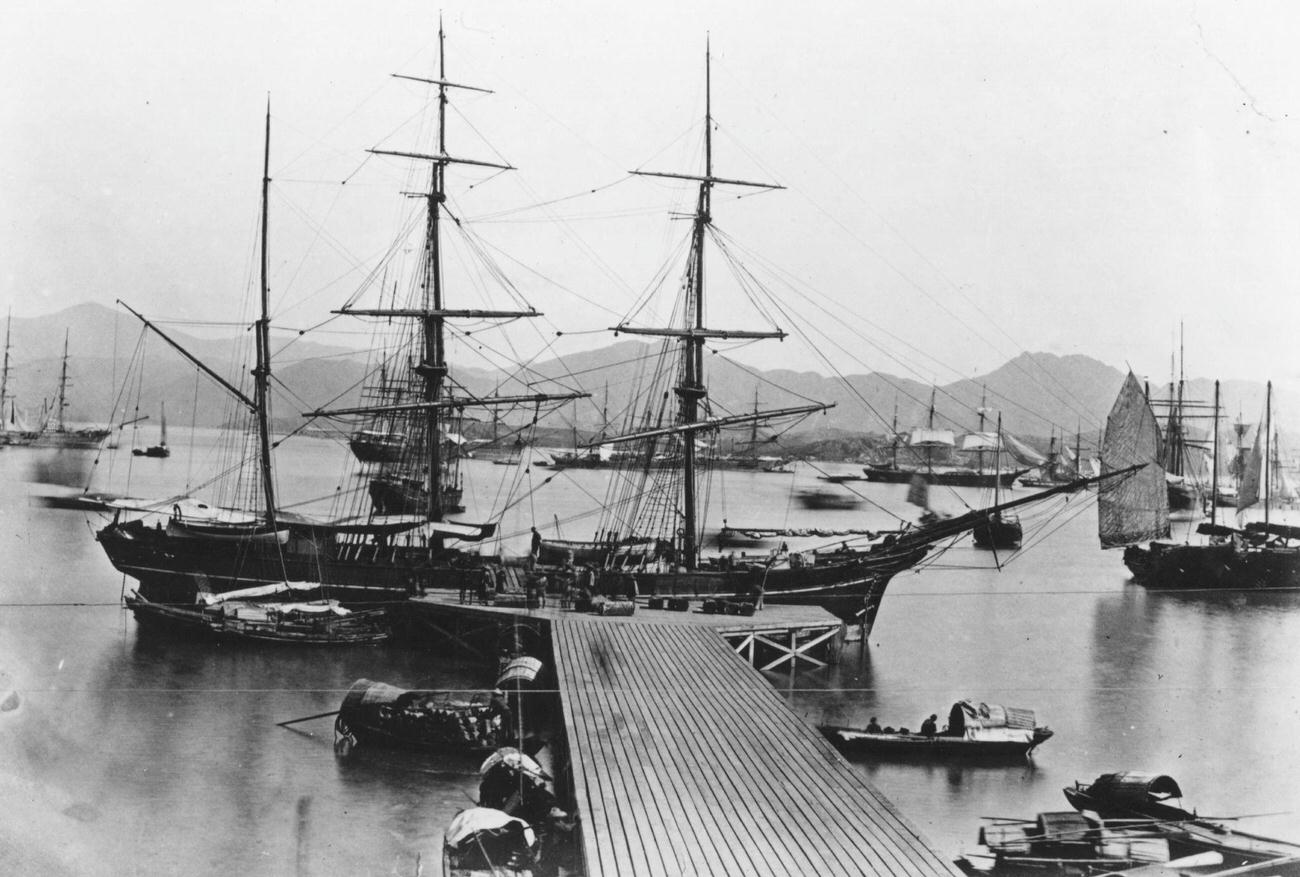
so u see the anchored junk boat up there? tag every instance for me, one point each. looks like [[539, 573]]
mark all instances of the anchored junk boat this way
[[1134, 513]]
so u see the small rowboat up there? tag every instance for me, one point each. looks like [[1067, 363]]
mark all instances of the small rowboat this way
[[974, 731]]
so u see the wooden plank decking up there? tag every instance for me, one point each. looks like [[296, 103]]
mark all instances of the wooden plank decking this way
[[687, 761]]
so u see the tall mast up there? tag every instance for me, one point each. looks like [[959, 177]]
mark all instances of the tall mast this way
[[434, 367], [262, 373], [62, 401], [893, 439], [997, 475], [1268, 434], [929, 424], [1214, 461], [431, 312], [4, 373], [997, 461], [691, 391]]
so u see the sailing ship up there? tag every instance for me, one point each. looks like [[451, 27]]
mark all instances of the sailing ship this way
[[1134, 514], [1182, 455], [54, 431], [998, 530], [1062, 463], [925, 441], [652, 523], [400, 544], [160, 449]]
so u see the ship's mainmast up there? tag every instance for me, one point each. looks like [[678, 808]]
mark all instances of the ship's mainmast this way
[[691, 391]]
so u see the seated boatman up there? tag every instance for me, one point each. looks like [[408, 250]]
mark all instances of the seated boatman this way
[[873, 727], [929, 728]]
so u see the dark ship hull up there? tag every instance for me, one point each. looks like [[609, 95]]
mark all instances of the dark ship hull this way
[[171, 567], [1169, 566], [998, 532], [406, 496], [949, 477]]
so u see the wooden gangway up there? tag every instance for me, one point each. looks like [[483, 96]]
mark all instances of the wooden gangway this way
[[686, 760]]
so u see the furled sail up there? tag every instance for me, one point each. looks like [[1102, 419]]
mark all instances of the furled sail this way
[[1023, 452], [1248, 493], [932, 438], [1136, 508], [980, 441]]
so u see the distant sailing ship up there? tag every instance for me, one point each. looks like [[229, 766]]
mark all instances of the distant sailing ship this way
[[11, 431], [1134, 513], [924, 442], [54, 431], [403, 541]]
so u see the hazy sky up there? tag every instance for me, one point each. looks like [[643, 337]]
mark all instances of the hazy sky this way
[[965, 180]]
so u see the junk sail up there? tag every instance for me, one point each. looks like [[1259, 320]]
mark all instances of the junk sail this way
[[1133, 509]]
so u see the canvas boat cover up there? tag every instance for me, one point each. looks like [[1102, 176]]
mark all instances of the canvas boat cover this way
[[1134, 508], [1132, 788], [279, 589], [516, 761], [524, 669], [967, 714], [467, 824]]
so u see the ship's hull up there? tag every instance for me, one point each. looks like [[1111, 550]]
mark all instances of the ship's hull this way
[[171, 568], [79, 440], [402, 496], [1219, 566], [848, 584], [949, 477], [377, 448]]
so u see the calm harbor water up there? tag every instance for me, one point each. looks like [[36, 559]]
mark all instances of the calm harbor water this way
[[133, 756]]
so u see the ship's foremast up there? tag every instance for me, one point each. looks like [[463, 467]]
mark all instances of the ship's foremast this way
[[432, 316]]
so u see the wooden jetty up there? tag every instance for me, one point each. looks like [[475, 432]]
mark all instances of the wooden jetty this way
[[777, 637], [686, 760]]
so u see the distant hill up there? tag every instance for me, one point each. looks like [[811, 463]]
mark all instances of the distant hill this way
[[1038, 394]]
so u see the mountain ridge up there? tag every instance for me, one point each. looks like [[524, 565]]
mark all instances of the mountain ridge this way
[[1039, 394]]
